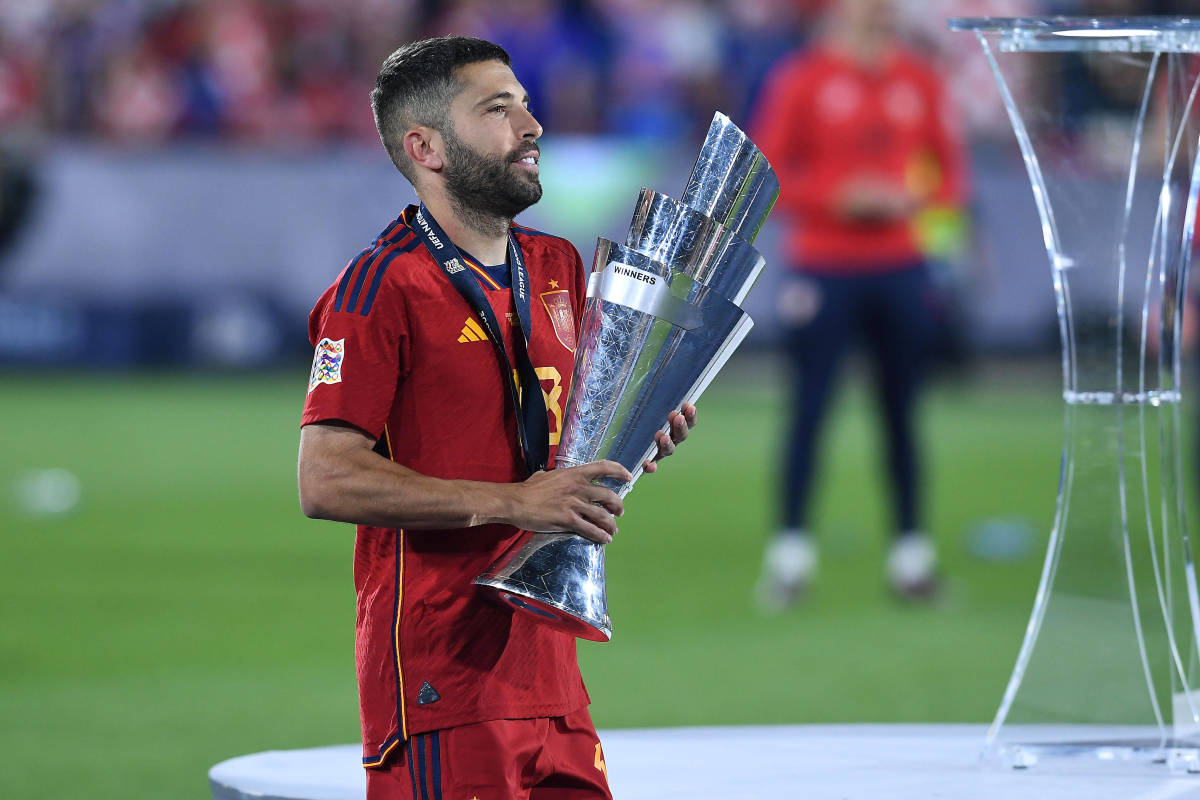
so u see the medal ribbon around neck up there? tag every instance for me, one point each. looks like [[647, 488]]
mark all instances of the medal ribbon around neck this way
[[532, 426]]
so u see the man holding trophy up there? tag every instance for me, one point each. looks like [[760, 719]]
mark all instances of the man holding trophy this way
[[422, 427]]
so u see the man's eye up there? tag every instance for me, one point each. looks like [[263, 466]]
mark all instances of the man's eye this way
[[496, 109]]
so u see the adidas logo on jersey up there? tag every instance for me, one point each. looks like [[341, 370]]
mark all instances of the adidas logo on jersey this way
[[472, 332], [427, 695]]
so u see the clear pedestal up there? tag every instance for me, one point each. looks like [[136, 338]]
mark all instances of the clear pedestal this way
[[1106, 114]]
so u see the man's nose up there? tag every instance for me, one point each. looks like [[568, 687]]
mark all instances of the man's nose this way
[[528, 126]]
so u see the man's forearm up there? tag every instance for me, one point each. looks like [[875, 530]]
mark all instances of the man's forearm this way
[[359, 486], [342, 478]]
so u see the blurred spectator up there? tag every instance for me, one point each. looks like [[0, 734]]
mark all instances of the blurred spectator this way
[[759, 33], [237, 41], [861, 135], [18, 84], [969, 77], [138, 101], [561, 50]]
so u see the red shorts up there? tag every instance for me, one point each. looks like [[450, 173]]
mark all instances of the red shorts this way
[[556, 758]]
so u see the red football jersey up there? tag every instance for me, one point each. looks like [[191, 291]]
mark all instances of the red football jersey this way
[[825, 120], [401, 355]]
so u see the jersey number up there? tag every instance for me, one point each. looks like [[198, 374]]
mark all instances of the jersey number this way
[[553, 396]]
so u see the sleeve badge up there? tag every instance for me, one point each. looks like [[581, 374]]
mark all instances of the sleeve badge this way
[[327, 363]]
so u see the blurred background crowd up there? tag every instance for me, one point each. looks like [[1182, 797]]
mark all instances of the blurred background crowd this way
[[297, 71], [128, 125], [287, 72]]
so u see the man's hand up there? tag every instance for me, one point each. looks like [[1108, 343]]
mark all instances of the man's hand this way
[[681, 421], [567, 500]]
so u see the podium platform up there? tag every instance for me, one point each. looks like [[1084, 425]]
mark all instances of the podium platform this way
[[814, 762]]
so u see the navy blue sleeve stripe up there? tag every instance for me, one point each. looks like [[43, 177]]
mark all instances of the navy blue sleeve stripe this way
[[358, 284], [348, 275], [343, 282], [437, 768], [369, 300], [391, 230], [397, 233], [363, 272]]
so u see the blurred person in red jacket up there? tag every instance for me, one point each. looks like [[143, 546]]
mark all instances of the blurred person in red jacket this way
[[858, 128]]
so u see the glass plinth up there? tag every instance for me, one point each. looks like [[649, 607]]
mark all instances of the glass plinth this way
[[1106, 118]]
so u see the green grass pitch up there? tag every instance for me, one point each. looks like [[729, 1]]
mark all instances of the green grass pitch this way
[[186, 612]]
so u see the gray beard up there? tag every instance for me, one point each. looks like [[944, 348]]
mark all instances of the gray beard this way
[[484, 191]]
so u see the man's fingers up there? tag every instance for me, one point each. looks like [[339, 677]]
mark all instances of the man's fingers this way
[[689, 414], [592, 533], [678, 423], [605, 469], [679, 428], [600, 517], [593, 516], [606, 498]]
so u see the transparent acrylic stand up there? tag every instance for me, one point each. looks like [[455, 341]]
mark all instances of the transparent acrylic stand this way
[[1107, 117]]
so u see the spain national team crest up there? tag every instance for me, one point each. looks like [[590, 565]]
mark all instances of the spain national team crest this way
[[558, 306], [327, 363]]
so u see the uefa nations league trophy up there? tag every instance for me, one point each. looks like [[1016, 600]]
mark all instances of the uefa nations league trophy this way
[[663, 314], [1109, 671]]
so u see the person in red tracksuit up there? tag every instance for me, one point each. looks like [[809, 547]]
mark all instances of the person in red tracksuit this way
[[415, 428], [860, 133]]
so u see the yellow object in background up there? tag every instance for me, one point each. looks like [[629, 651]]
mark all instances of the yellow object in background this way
[[942, 233]]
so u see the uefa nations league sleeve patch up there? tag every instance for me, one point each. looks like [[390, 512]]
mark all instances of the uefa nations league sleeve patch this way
[[327, 363]]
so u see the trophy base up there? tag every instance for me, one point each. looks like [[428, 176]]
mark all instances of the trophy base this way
[[550, 616], [556, 579]]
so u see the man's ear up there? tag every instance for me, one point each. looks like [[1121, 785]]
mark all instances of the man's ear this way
[[423, 146]]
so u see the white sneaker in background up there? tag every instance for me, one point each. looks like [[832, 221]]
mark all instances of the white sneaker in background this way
[[912, 566], [789, 563]]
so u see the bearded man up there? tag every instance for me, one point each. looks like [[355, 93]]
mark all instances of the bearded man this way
[[416, 429]]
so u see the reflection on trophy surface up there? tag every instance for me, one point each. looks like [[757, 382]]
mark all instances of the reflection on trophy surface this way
[[662, 316], [694, 244], [732, 181], [646, 345]]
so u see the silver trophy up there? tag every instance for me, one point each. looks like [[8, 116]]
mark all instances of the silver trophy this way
[[663, 314]]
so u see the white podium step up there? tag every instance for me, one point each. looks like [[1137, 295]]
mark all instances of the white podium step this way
[[814, 762]]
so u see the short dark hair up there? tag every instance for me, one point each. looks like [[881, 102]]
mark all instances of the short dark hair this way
[[416, 84]]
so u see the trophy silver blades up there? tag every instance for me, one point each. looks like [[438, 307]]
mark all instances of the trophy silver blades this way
[[559, 579], [661, 318], [616, 349], [732, 182], [694, 244], [674, 234], [644, 346], [649, 340]]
